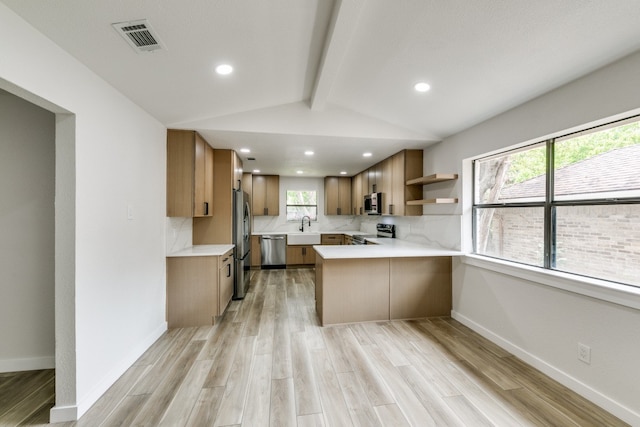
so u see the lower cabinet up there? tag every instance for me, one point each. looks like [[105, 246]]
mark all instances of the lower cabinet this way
[[225, 280], [375, 289], [300, 255], [256, 259], [199, 289]]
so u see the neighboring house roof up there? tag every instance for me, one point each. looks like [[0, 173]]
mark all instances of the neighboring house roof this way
[[617, 170]]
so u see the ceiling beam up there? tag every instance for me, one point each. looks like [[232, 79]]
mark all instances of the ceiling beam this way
[[343, 24]]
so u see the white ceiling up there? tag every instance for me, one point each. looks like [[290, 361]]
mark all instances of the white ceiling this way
[[337, 77]]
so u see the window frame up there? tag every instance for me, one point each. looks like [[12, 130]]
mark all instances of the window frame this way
[[287, 205], [549, 204]]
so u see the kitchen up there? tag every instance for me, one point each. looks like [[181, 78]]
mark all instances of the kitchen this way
[[110, 270]]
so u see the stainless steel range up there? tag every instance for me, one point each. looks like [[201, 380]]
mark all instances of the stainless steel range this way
[[384, 231]]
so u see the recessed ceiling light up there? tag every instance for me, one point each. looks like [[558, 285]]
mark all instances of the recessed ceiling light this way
[[366, 154], [245, 150], [343, 173], [308, 153], [256, 171], [224, 69], [422, 87], [299, 172]]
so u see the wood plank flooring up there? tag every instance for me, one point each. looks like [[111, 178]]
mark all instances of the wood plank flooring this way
[[269, 363]]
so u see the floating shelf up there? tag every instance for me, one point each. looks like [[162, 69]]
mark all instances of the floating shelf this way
[[436, 177], [440, 201]]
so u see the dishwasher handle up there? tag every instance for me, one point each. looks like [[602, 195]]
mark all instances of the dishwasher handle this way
[[272, 237]]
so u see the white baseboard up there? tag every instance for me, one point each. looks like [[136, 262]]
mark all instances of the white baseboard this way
[[27, 364], [73, 413], [563, 378]]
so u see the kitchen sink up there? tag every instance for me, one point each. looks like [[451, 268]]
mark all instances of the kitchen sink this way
[[303, 238]]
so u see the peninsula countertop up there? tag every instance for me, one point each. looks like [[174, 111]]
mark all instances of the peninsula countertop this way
[[383, 248], [202, 250]]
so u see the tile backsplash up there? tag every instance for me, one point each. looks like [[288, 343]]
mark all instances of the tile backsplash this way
[[179, 232]]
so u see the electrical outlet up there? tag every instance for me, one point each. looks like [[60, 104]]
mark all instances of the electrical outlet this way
[[584, 353]]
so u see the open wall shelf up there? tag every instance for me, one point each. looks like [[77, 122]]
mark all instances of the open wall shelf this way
[[431, 179], [432, 201]]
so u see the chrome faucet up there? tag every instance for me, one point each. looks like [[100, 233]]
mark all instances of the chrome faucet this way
[[302, 225]]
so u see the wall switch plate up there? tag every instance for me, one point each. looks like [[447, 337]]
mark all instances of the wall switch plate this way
[[584, 353]]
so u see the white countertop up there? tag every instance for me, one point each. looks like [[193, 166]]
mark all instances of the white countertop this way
[[202, 250], [284, 233], [385, 248]]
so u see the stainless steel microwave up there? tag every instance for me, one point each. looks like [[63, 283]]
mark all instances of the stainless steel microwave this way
[[373, 204]]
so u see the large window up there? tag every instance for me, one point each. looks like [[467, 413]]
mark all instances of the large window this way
[[570, 204], [301, 203]]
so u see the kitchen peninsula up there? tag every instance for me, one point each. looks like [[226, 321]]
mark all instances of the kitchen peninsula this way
[[391, 279]]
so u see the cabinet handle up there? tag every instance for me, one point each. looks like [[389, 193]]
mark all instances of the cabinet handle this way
[[229, 270], [266, 211], [390, 209], [206, 208], [339, 211]]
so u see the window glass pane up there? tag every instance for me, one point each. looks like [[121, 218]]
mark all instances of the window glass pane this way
[[301, 203], [599, 241], [301, 197], [296, 213], [514, 234], [515, 177], [602, 164]]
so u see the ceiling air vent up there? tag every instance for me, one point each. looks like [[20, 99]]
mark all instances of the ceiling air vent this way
[[139, 35]]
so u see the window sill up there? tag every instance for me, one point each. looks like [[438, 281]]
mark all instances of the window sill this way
[[625, 295]]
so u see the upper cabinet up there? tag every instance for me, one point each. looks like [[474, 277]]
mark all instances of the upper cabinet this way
[[390, 177], [266, 195], [337, 195], [189, 174], [357, 197]]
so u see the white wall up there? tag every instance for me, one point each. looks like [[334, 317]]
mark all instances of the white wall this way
[[110, 270], [543, 324], [27, 171]]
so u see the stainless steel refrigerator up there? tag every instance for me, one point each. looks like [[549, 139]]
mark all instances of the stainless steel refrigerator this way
[[242, 242]]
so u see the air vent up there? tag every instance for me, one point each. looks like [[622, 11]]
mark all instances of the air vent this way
[[139, 35], [251, 158]]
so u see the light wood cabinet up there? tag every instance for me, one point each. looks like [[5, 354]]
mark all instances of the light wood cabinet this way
[[337, 195], [225, 280], [199, 289], [256, 259], [348, 240], [357, 198], [266, 195], [300, 255], [406, 164], [376, 289], [218, 229], [190, 163], [332, 239], [420, 287]]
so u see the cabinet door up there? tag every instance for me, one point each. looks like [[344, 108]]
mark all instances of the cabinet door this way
[[331, 195], [332, 239], [225, 278], [365, 189], [255, 252], [192, 291], [266, 195], [273, 195], [386, 188], [398, 185], [356, 194], [259, 197], [294, 255], [309, 255], [186, 173], [344, 196]]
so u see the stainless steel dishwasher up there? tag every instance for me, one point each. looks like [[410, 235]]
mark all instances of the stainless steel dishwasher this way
[[273, 251]]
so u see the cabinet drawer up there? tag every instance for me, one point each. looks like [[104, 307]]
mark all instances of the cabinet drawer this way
[[332, 239]]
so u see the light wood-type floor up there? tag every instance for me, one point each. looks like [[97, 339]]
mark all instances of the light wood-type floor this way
[[268, 362], [26, 397]]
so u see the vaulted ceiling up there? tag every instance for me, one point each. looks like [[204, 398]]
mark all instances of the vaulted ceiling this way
[[337, 77]]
